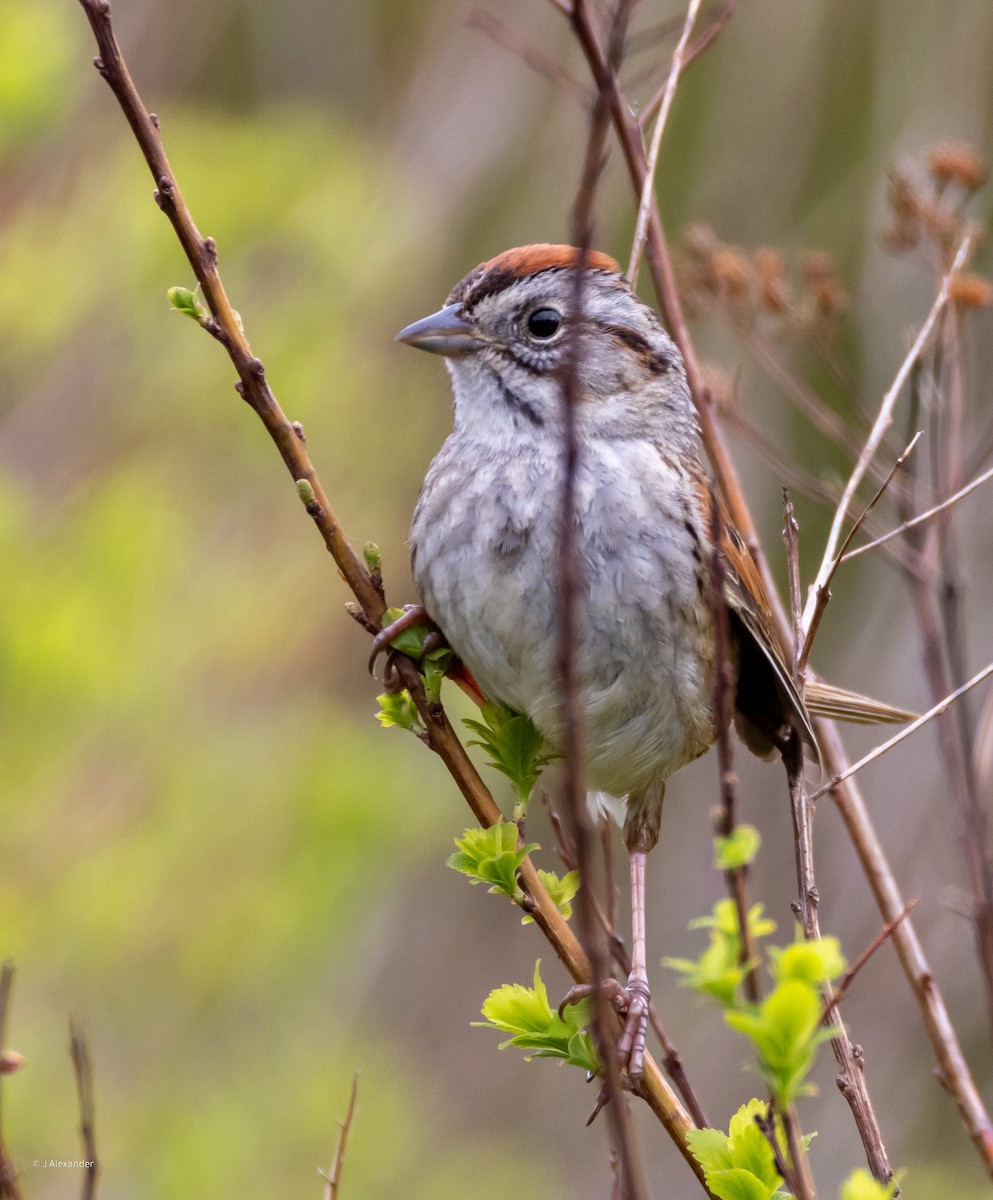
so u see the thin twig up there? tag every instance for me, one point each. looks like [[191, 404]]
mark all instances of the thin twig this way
[[736, 878], [879, 428], [648, 187], [847, 979], [10, 1188], [904, 733], [791, 541], [700, 46], [913, 522], [822, 593], [83, 1071], [489, 24], [333, 1176]]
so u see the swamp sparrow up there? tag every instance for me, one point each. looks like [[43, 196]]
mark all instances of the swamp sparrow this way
[[485, 536]]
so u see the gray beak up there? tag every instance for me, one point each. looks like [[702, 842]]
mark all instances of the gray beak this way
[[444, 332]]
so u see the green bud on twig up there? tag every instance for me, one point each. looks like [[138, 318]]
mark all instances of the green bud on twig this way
[[187, 302]]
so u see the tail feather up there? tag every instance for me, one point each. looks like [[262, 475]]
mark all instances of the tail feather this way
[[839, 704]]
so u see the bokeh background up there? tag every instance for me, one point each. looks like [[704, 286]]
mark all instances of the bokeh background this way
[[212, 857]]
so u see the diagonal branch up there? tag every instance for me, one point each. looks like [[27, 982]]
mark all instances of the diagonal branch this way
[[648, 187], [879, 428]]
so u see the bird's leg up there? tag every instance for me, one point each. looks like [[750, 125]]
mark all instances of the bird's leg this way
[[632, 1002], [631, 1047]]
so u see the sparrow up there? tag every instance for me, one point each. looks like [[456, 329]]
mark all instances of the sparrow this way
[[486, 529]]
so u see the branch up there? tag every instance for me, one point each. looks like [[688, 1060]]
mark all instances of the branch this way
[[333, 1176], [905, 733], [823, 589], [10, 1189], [648, 187], [913, 522], [879, 428], [87, 1126]]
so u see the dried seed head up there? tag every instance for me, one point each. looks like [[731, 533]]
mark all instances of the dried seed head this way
[[822, 282], [773, 291], [731, 269], [968, 290], [957, 162]]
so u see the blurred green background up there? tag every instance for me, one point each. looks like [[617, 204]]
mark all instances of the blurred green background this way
[[211, 855]]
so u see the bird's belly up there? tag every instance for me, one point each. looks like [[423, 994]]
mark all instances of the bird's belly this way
[[487, 572]]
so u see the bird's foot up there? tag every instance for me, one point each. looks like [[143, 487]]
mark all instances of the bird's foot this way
[[631, 1004], [413, 614]]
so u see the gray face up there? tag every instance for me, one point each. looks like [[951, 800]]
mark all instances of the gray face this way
[[631, 379]]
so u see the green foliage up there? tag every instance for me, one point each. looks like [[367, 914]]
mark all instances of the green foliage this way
[[785, 1028], [808, 961], [188, 302], [860, 1185], [738, 849], [785, 1031], [399, 709], [740, 1164], [492, 856], [526, 1014], [562, 891], [514, 745], [718, 971]]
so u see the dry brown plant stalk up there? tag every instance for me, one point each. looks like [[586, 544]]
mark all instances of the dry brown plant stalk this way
[[10, 1188]]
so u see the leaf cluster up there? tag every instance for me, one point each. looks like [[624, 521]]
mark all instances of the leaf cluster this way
[[527, 1016], [514, 745]]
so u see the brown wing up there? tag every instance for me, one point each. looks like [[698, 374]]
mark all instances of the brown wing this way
[[767, 704]]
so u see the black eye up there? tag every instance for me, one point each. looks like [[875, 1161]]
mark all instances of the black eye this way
[[544, 323]]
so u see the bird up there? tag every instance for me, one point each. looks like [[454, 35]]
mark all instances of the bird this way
[[486, 531]]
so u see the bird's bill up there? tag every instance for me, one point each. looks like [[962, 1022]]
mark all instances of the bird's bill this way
[[444, 332]]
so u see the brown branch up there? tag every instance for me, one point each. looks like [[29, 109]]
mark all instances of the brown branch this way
[[441, 737], [83, 1071], [498, 31], [10, 1188], [913, 522], [726, 819], [648, 187], [700, 46], [849, 976], [333, 1177], [632, 1172], [906, 732], [822, 592]]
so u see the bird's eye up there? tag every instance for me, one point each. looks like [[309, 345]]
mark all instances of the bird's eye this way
[[544, 323]]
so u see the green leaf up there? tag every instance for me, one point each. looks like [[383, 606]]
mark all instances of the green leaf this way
[[492, 856], [860, 1185], [562, 891], [738, 1165], [816, 961], [738, 1184], [408, 641], [711, 1149], [514, 745], [738, 849], [188, 303], [785, 1032], [398, 708], [718, 972], [526, 1014]]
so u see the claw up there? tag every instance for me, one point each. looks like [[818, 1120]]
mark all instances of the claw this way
[[413, 614], [631, 1047], [632, 1003]]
